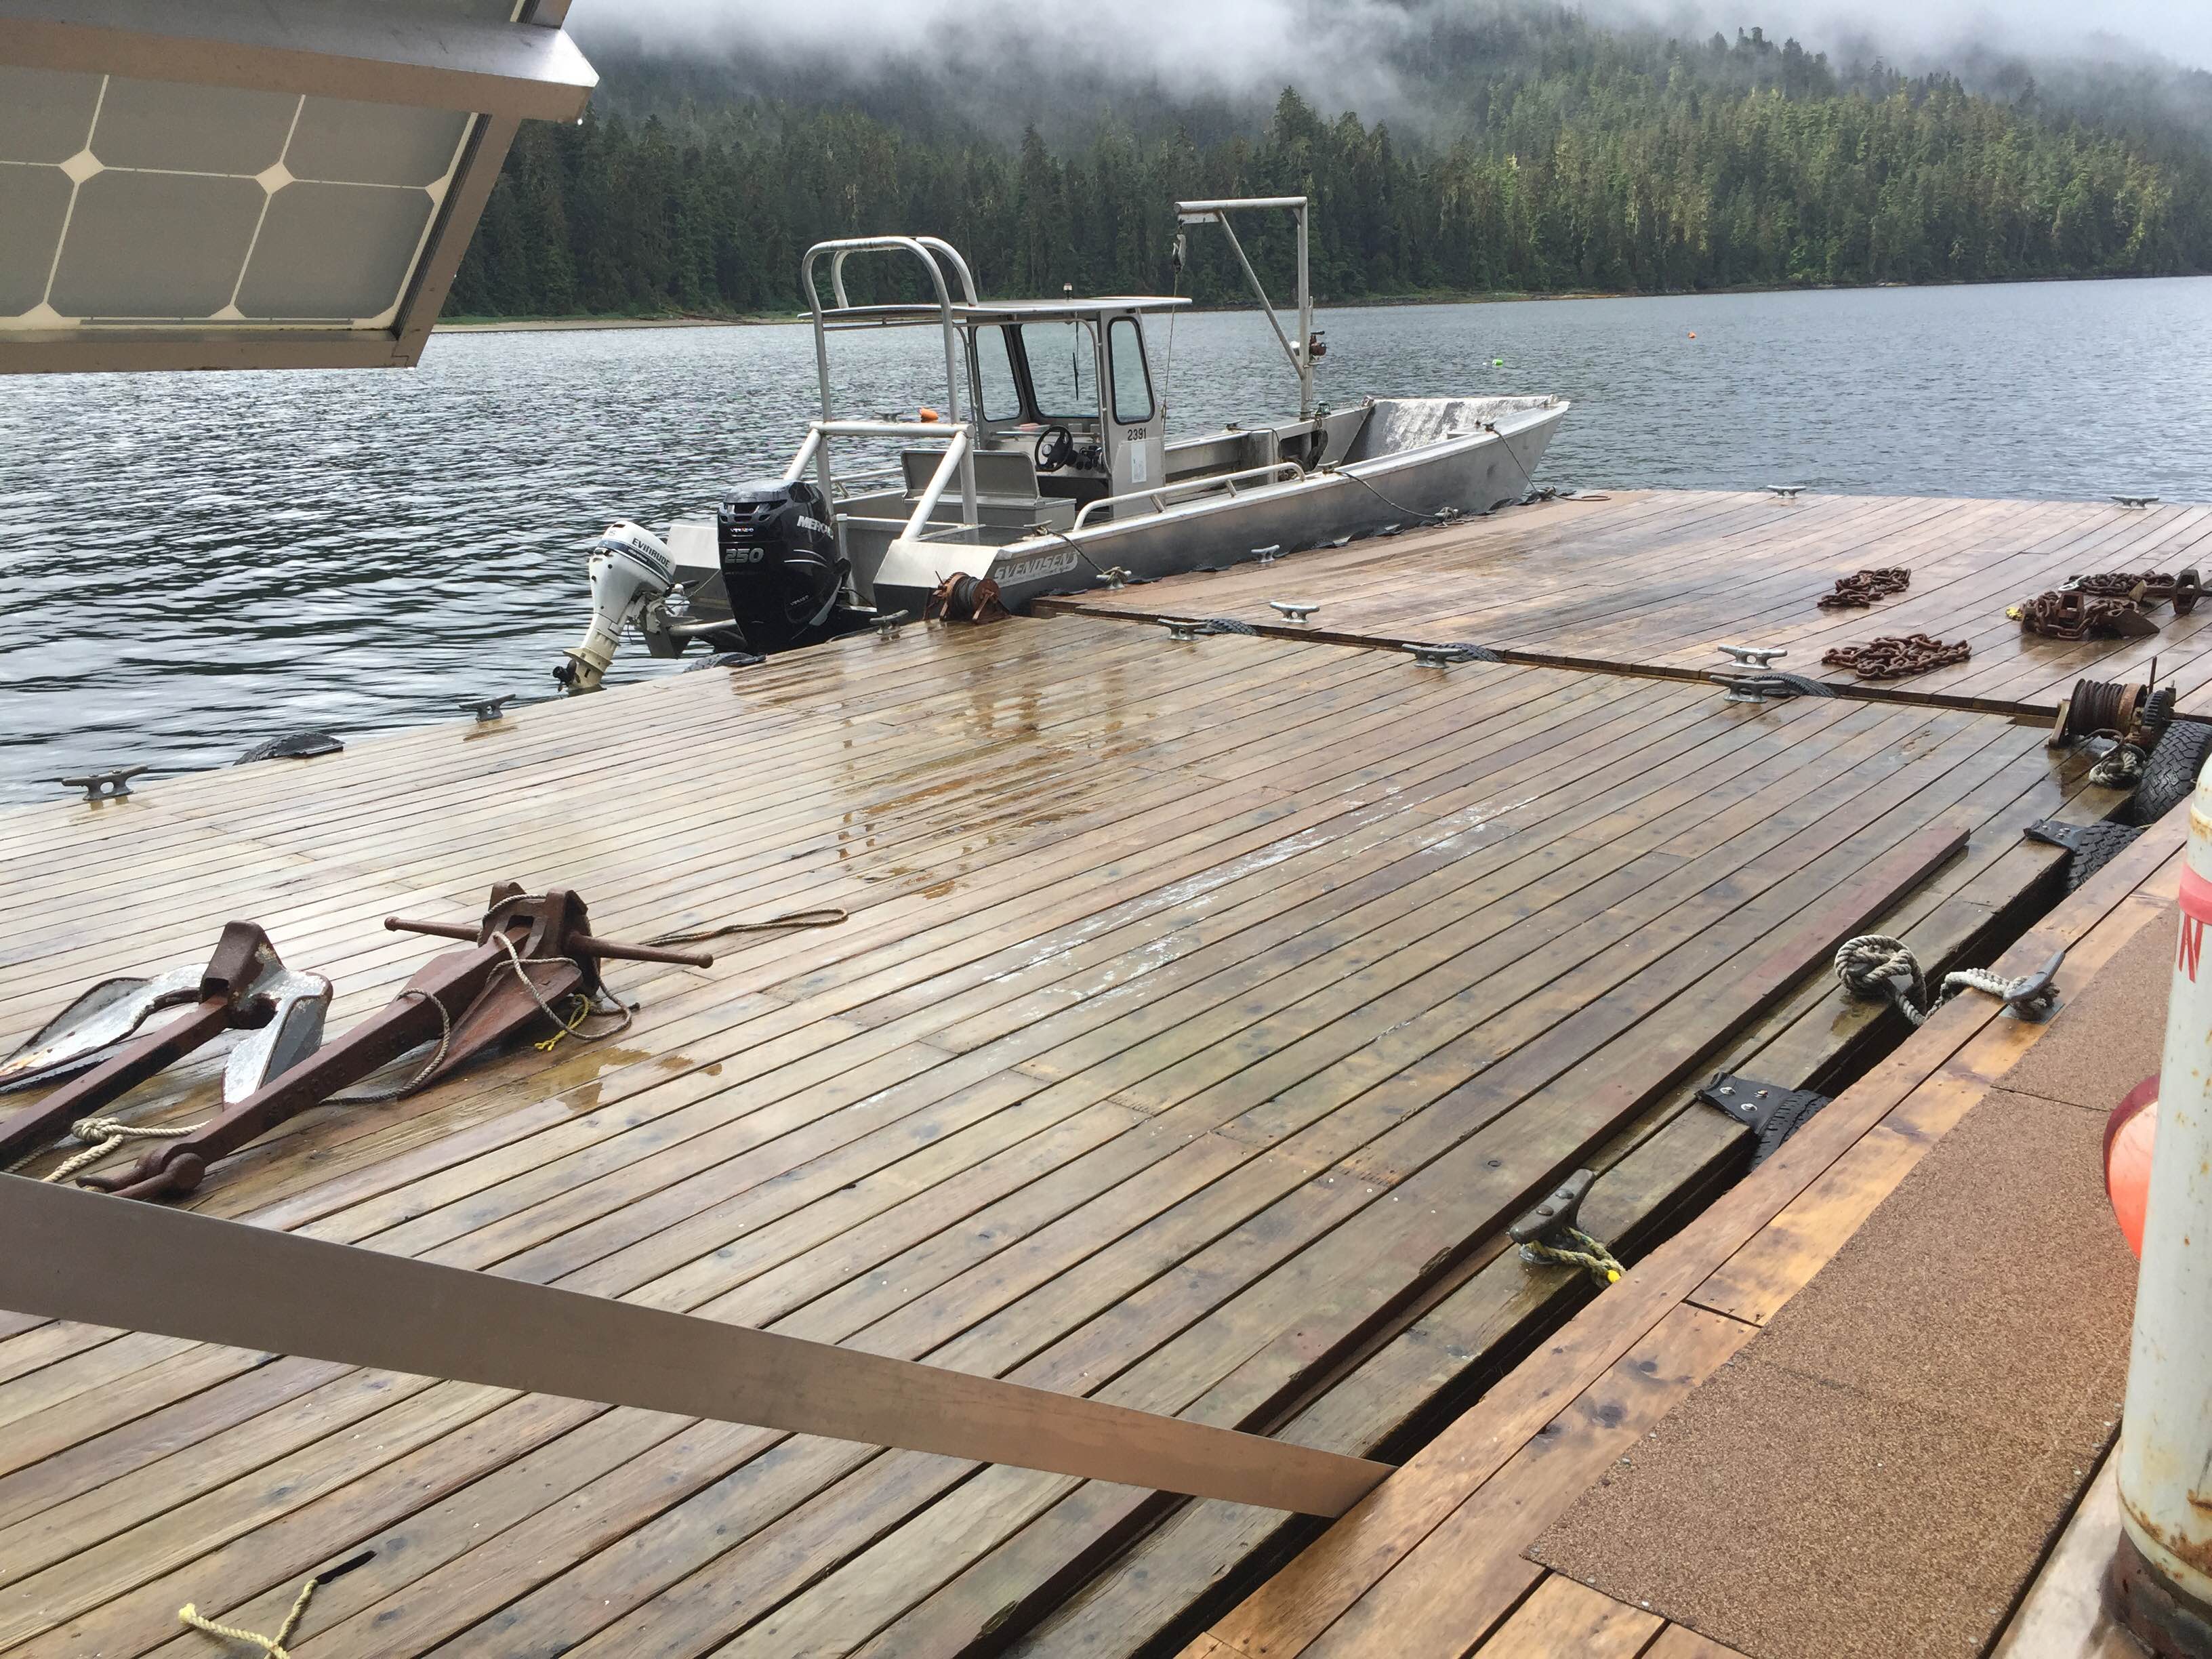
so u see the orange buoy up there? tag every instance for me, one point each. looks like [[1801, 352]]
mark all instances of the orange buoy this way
[[2130, 1134], [1693, 334], [929, 414]]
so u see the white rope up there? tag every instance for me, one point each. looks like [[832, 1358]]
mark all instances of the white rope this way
[[1875, 965], [109, 1132]]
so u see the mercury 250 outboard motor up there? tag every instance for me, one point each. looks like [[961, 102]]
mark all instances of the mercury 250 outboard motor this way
[[630, 567], [780, 567]]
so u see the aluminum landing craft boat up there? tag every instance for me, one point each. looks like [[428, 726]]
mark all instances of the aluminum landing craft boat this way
[[1057, 477]]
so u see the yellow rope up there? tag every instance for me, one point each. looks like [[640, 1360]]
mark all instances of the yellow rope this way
[[109, 1132], [568, 1028], [1592, 1257], [271, 1645]]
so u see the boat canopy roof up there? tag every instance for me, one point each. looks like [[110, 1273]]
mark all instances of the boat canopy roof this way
[[1000, 310]]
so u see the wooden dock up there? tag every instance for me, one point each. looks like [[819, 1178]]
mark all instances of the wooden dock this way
[[1205, 1009], [1448, 1558], [1654, 581]]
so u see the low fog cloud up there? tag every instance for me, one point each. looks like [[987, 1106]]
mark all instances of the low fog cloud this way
[[1340, 49]]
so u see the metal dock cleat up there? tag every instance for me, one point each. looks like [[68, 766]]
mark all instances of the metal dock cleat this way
[[1184, 628], [1754, 678], [1785, 492], [1114, 575], [1443, 656], [887, 626], [2135, 501], [1268, 554], [244, 987], [1297, 610], [2035, 998], [1557, 1212], [104, 786], [487, 709]]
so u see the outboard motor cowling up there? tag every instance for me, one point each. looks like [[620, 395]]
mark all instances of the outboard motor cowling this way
[[630, 566], [780, 567]]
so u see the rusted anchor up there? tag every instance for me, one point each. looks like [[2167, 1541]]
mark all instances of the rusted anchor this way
[[244, 987], [531, 951]]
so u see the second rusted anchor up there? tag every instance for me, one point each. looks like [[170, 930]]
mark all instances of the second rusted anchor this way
[[532, 950], [244, 987]]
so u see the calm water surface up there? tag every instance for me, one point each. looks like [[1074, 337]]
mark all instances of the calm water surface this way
[[195, 563]]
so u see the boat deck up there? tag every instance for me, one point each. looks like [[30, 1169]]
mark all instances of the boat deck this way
[[1205, 1009], [1655, 581]]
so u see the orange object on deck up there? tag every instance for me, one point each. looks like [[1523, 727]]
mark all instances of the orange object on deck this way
[[929, 414], [2130, 1134]]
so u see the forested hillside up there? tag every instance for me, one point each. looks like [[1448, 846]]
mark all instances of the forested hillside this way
[[1557, 157]]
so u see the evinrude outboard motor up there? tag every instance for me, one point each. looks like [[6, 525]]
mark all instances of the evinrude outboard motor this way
[[781, 568], [630, 567]]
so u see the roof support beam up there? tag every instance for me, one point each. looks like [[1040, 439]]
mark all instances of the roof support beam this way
[[387, 55]]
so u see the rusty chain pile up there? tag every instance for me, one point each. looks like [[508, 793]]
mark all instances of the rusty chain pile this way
[[1895, 656], [2109, 604], [1861, 588], [2067, 613]]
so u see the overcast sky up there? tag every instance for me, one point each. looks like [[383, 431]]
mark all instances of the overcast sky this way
[[1238, 42]]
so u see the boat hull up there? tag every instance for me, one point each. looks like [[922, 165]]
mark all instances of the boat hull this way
[[1470, 474]]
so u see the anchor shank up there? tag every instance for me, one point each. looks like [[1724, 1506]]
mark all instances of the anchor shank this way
[[455, 980], [121, 1072]]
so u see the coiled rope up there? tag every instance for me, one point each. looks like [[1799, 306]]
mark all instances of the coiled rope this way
[[271, 1645], [1580, 1250], [1875, 965], [2121, 769]]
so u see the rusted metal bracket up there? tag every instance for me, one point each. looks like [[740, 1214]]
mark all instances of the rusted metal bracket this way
[[112, 785], [531, 951], [1772, 1112], [1562, 1210], [1297, 610], [245, 986], [2181, 590], [2071, 613]]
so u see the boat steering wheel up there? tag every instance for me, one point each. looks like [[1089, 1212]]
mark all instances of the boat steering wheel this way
[[1055, 448]]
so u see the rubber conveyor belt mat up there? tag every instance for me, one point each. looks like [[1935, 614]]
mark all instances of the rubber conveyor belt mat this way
[[1876, 1473]]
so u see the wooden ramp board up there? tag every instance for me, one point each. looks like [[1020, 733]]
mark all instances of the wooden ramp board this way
[[1659, 581], [1205, 1009], [1434, 1562]]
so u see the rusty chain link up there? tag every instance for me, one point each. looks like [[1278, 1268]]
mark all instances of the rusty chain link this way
[[1896, 656], [1863, 587]]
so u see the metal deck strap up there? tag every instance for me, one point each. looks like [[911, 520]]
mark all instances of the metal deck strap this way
[[68, 1253]]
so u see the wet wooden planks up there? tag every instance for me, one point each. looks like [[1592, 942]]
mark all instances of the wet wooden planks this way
[[1203, 1010], [1659, 581], [1432, 1562]]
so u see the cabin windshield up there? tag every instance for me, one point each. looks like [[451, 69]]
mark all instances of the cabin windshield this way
[[1063, 359], [1001, 393]]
